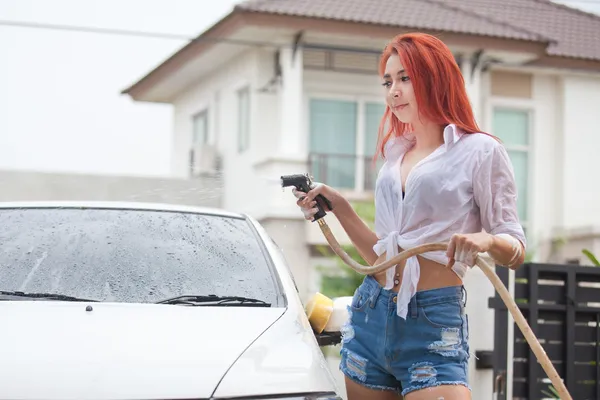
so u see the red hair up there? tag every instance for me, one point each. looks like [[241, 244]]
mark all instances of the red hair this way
[[437, 81]]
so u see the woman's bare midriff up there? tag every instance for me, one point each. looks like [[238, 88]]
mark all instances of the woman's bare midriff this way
[[433, 275]]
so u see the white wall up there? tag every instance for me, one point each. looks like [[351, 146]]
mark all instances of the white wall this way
[[545, 193], [218, 92], [581, 146], [244, 180]]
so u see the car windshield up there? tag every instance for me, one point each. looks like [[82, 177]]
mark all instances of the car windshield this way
[[123, 255]]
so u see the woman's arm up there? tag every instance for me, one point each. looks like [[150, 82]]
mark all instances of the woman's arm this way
[[503, 248], [507, 251], [361, 236], [495, 192]]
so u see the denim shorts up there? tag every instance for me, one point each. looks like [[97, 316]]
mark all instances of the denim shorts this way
[[382, 351]]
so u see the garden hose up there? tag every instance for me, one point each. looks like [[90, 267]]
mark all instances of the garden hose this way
[[485, 263]]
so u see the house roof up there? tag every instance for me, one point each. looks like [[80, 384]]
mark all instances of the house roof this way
[[575, 34], [569, 32], [562, 36]]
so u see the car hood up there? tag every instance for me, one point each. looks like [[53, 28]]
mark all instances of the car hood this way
[[61, 350]]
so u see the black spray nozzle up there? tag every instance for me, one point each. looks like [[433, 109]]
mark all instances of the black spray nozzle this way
[[303, 183]]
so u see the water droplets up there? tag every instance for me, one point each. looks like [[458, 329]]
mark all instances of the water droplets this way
[[130, 256]]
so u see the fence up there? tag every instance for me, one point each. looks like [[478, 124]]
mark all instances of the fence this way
[[562, 306]]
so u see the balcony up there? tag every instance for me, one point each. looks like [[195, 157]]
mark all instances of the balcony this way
[[346, 172]]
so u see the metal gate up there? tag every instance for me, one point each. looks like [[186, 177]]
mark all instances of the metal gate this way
[[562, 305]]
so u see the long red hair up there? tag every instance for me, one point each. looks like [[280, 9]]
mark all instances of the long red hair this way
[[437, 81]]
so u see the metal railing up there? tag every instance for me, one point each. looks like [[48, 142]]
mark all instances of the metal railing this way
[[344, 171]]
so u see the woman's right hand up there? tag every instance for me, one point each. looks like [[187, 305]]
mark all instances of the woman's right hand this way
[[308, 203]]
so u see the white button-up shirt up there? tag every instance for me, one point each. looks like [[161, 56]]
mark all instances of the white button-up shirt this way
[[464, 186]]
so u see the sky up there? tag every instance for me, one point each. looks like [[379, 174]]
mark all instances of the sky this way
[[60, 104]]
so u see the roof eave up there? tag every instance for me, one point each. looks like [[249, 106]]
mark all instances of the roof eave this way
[[297, 23], [566, 62], [202, 42], [239, 17]]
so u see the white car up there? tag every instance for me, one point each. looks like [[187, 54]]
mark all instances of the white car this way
[[110, 301]]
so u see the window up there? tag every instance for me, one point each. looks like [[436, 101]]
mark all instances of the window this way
[[200, 128], [513, 126], [343, 137], [179, 253], [373, 114], [243, 119], [333, 142]]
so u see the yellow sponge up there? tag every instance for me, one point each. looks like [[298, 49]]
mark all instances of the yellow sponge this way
[[319, 309]]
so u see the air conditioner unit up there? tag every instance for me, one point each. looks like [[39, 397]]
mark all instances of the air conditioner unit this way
[[204, 160]]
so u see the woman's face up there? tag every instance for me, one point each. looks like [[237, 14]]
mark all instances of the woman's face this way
[[400, 96]]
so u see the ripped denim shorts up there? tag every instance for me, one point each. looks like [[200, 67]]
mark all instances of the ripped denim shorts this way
[[382, 351]]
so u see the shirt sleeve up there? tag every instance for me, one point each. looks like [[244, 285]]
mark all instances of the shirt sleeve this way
[[495, 192]]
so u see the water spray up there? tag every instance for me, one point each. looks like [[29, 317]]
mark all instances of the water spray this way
[[304, 182]]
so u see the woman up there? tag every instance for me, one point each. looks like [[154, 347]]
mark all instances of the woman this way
[[443, 180]]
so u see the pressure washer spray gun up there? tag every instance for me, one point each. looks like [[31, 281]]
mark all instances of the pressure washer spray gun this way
[[303, 183]]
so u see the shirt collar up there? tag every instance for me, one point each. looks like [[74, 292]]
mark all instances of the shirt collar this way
[[452, 134], [397, 145]]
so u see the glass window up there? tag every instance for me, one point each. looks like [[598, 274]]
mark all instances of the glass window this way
[[128, 255], [200, 128], [373, 114], [513, 127], [243, 119], [332, 145]]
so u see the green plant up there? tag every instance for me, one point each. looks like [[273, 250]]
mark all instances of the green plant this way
[[553, 394], [342, 280], [591, 257], [529, 255]]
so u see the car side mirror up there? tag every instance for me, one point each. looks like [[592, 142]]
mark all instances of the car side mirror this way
[[327, 318]]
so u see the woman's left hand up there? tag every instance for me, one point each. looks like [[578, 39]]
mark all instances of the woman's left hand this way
[[464, 248]]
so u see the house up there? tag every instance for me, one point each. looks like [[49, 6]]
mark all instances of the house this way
[[289, 86]]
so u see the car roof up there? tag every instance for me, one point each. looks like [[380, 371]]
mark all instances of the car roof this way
[[122, 205]]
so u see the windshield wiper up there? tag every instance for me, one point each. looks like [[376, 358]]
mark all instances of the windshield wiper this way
[[48, 296], [211, 299]]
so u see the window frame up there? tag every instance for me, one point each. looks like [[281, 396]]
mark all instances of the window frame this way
[[204, 112], [521, 105], [361, 102], [243, 127]]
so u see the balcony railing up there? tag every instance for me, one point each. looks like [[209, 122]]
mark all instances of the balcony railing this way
[[344, 171]]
